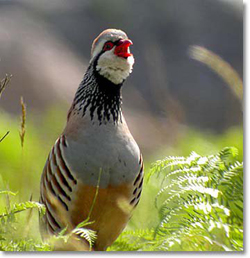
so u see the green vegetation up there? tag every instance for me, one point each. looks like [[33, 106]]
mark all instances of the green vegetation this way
[[192, 203], [200, 206]]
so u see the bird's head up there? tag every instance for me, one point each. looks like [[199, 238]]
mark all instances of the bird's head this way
[[111, 54]]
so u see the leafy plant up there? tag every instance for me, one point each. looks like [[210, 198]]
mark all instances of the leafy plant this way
[[200, 208], [9, 225], [80, 238], [200, 205], [11, 238]]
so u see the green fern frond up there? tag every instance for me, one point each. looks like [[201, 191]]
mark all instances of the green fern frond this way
[[159, 165], [87, 234], [8, 192], [28, 205], [205, 195], [135, 240], [200, 205], [19, 207]]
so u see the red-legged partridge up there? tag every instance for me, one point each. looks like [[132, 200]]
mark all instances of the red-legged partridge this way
[[95, 146]]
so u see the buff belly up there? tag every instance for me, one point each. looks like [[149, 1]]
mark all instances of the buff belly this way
[[110, 214]]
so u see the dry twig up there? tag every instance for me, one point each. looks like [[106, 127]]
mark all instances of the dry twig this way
[[23, 122], [4, 82], [4, 136]]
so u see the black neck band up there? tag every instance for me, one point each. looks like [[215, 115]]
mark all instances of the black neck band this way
[[98, 96]]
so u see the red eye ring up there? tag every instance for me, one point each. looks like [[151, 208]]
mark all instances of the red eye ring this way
[[108, 46]]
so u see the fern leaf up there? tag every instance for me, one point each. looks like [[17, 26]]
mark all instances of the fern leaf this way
[[87, 234]]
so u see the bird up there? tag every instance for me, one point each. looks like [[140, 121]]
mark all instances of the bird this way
[[95, 168]]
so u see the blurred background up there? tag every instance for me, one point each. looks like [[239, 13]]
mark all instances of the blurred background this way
[[173, 103]]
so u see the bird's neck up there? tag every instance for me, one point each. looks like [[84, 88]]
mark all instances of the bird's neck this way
[[98, 98]]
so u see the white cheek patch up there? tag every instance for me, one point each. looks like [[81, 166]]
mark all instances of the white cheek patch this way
[[114, 68]]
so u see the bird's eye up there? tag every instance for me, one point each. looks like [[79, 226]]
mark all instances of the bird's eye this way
[[108, 46]]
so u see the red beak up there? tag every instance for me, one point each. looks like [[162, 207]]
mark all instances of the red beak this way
[[122, 47]]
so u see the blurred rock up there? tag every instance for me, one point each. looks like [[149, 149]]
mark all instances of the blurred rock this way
[[44, 69]]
